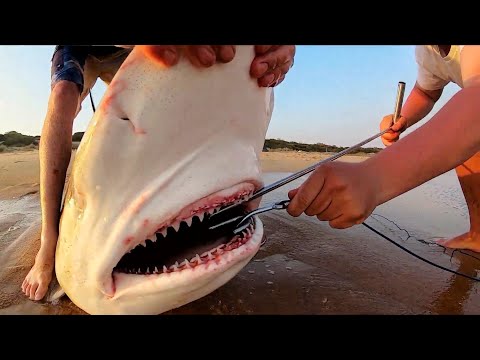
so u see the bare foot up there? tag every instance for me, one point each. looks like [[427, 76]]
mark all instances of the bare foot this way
[[36, 282], [467, 241]]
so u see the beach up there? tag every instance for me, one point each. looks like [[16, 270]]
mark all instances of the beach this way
[[305, 266]]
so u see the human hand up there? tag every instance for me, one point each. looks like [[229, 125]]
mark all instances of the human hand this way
[[344, 194], [199, 55], [269, 67], [272, 63], [394, 134]]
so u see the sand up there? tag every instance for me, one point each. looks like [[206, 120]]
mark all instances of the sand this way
[[19, 173], [305, 267]]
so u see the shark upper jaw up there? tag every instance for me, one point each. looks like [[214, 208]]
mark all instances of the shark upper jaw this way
[[140, 266]]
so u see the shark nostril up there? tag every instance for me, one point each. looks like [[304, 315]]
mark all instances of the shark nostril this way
[[125, 118]]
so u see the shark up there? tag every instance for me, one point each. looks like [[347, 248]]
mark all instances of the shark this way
[[167, 148]]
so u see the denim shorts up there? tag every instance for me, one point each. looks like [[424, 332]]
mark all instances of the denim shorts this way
[[77, 63]]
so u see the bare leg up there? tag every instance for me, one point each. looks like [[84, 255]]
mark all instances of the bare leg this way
[[469, 176], [55, 152]]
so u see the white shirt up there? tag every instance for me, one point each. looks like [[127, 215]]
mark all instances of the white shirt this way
[[436, 71]]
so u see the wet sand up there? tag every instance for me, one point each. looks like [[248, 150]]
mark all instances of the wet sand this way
[[305, 267], [19, 173]]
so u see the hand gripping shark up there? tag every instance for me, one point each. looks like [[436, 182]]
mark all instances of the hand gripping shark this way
[[166, 147]]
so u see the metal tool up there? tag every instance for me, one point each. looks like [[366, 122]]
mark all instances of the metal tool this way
[[399, 102], [241, 220], [283, 204]]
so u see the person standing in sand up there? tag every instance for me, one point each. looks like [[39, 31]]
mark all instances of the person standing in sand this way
[[346, 194], [74, 72]]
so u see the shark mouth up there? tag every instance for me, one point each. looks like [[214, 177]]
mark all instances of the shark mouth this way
[[186, 242]]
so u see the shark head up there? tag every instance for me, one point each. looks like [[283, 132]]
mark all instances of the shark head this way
[[167, 147]]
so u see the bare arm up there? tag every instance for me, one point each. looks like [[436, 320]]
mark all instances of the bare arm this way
[[450, 138], [419, 104], [55, 152]]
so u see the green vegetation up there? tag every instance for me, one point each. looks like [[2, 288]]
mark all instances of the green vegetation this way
[[278, 144], [15, 139]]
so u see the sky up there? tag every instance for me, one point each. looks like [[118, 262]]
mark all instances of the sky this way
[[333, 94]]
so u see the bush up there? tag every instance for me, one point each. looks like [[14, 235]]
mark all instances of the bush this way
[[2, 148], [278, 144], [14, 138]]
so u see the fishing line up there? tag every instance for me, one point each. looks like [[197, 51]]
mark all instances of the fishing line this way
[[418, 256], [91, 100], [410, 236]]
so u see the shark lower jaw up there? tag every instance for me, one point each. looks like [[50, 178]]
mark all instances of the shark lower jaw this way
[[183, 250]]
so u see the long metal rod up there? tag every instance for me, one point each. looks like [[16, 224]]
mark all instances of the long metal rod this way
[[399, 101], [309, 169], [279, 183], [396, 115]]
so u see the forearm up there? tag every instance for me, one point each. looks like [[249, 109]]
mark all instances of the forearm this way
[[450, 138], [418, 105], [55, 153]]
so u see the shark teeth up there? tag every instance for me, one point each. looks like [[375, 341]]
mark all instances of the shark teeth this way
[[179, 224], [151, 237], [201, 212], [195, 261], [176, 225]]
